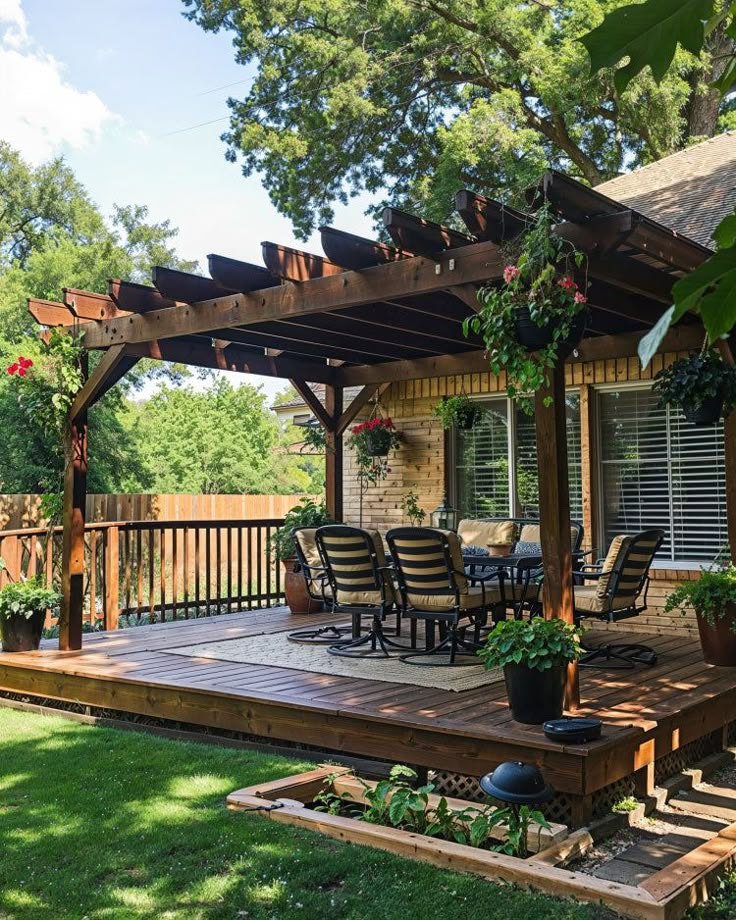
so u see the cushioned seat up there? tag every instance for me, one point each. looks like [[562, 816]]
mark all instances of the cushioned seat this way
[[471, 599], [487, 533]]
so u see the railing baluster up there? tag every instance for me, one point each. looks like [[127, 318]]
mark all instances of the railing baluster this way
[[185, 565], [162, 573], [175, 571], [207, 573], [151, 578]]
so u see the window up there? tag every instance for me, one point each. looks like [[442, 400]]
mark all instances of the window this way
[[496, 462], [658, 470]]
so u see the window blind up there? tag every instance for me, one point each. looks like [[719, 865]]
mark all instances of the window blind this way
[[483, 475], [658, 470]]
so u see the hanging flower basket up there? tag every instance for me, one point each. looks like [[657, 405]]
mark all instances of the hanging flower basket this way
[[375, 438], [459, 412], [702, 385], [537, 314]]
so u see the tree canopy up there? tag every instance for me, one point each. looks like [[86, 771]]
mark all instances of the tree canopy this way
[[421, 97]]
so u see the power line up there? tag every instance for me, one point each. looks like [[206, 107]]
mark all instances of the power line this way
[[208, 92], [202, 124]]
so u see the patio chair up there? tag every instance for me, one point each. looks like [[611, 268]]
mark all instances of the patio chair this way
[[435, 588], [318, 588], [360, 583], [621, 592]]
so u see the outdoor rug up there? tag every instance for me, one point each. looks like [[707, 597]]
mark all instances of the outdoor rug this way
[[276, 650]]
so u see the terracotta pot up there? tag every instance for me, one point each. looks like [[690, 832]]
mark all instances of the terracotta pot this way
[[719, 641], [20, 634], [295, 589]]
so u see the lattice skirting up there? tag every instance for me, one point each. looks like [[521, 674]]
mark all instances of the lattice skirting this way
[[604, 799], [688, 754], [466, 787]]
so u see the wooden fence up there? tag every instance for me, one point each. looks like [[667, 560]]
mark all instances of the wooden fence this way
[[18, 511], [158, 570]]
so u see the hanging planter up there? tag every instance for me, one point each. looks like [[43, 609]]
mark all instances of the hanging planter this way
[[703, 386], [372, 441], [537, 315], [459, 412]]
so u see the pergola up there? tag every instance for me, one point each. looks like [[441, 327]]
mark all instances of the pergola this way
[[367, 314]]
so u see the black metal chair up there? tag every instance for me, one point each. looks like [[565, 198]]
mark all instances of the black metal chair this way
[[620, 592], [310, 563], [360, 583], [436, 589]]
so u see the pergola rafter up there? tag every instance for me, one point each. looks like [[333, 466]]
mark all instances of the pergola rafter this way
[[367, 313]]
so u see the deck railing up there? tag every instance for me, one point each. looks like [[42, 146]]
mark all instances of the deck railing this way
[[158, 570]]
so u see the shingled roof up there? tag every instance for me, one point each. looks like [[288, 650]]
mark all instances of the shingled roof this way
[[690, 191]]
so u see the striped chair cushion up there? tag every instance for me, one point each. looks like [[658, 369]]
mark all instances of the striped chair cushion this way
[[424, 566], [470, 600], [352, 568], [317, 586]]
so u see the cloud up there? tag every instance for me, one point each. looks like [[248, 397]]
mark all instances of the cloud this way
[[40, 111]]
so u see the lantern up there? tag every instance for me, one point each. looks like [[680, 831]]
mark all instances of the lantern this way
[[445, 517]]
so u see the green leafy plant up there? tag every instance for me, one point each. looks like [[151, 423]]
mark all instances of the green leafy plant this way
[[537, 643], [307, 513], [26, 598], [372, 441], [689, 382], [710, 595], [397, 802], [625, 805], [410, 507], [314, 438], [458, 412], [540, 280], [45, 394]]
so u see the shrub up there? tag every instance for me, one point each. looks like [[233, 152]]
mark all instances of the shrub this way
[[537, 643]]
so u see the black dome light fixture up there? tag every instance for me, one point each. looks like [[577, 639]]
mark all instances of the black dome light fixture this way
[[517, 784]]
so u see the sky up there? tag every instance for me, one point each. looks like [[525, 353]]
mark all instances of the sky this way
[[133, 95]]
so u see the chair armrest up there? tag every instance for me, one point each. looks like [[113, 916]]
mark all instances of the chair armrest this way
[[586, 574]]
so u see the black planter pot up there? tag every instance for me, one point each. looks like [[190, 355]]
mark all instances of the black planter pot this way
[[708, 413], [533, 337], [535, 696], [20, 634]]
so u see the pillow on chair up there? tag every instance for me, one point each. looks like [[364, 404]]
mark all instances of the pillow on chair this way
[[487, 533]]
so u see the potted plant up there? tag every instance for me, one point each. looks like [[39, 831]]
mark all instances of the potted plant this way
[[534, 655], [307, 513], [537, 314], [459, 412], [23, 606], [702, 385], [713, 597]]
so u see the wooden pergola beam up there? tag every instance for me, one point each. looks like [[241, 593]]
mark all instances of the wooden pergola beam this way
[[295, 264], [50, 313], [98, 381], [137, 298], [477, 262], [310, 398], [423, 237], [239, 276], [89, 305], [356, 252], [199, 352]]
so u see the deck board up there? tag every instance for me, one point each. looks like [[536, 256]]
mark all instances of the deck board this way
[[142, 670]]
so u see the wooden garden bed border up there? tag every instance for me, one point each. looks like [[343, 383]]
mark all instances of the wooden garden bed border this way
[[666, 895]]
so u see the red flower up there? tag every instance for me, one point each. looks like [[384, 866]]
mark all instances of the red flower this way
[[25, 362], [567, 283], [511, 273], [12, 369], [580, 297], [22, 372]]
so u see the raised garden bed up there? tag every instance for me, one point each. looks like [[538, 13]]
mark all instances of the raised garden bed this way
[[666, 895]]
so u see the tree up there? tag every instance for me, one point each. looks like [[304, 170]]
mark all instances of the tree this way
[[53, 236], [647, 36], [421, 97], [222, 440]]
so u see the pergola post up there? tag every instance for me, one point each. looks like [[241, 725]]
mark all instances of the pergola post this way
[[554, 511], [72, 548], [110, 369], [334, 454], [729, 438]]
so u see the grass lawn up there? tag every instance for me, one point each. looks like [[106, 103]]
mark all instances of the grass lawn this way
[[96, 822]]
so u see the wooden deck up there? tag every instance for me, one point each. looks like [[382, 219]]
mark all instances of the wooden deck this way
[[647, 712]]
